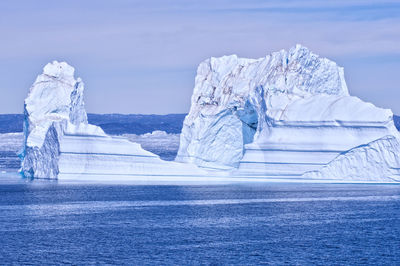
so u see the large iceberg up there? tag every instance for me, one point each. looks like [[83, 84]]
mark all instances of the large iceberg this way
[[287, 114], [59, 142]]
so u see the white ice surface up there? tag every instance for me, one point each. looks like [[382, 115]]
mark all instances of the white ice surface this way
[[287, 116], [282, 115], [59, 142], [378, 160]]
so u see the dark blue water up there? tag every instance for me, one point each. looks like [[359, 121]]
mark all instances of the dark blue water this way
[[114, 124], [50, 223]]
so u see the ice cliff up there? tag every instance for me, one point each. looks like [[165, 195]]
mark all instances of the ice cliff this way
[[59, 142], [286, 114], [54, 106]]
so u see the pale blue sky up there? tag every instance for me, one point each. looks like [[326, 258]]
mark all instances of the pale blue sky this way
[[141, 56]]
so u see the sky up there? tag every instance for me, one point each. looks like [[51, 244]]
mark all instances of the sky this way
[[142, 56]]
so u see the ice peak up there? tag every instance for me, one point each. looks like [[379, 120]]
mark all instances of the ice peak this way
[[55, 95], [59, 70], [298, 47]]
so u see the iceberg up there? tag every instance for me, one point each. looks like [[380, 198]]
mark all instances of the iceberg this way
[[59, 143], [288, 114]]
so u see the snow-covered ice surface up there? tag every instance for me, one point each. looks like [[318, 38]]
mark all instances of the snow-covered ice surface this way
[[60, 144], [287, 114]]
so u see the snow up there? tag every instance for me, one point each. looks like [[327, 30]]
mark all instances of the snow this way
[[283, 115]]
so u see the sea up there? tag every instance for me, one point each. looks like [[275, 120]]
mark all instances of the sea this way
[[50, 223]]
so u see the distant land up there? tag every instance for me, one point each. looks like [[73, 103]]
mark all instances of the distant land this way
[[118, 124], [114, 124]]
